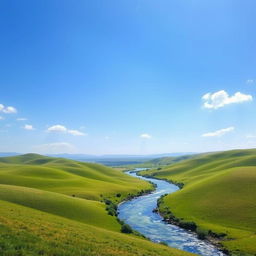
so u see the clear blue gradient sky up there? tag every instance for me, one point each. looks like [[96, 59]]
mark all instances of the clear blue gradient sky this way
[[127, 77]]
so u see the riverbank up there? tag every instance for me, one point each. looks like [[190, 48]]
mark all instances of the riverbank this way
[[219, 196], [138, 213], [169, 218]]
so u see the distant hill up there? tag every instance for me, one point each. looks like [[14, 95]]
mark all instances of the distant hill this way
[[109, 160], [160, 161], [168, 160], [219, 195], [120, 156]]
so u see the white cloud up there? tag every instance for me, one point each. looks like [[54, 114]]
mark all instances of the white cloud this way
[[57, 128], [8, 110], [55, 148], [63, 129], [250, 81], [76, 133], [221, 98], [145, 136], [21, 119], [28, 127], [219, 133]]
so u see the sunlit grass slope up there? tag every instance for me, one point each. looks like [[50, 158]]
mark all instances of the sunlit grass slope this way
[[160, 162], [67, 188], [219, 195], [85, 180], [26, 232], [86, 211], [52, 206]]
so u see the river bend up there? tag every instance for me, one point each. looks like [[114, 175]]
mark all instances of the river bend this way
[[138, 213]]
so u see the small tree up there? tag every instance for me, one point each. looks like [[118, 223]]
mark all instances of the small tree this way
[[126, 229]]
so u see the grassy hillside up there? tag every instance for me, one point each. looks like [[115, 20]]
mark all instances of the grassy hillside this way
[[161, 161], [54, 206], [26, 232], [86, 211], [219, 195], [168, 160], [85, 180]]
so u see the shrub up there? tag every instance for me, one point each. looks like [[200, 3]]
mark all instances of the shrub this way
[[216, 235], [190, 225], [201, 234], [163, 243], [111, 207], [126, 229]]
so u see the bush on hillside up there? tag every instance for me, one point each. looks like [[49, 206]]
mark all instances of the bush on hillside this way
[[125, 228], [201, 234], [111, 207], [189, 225]]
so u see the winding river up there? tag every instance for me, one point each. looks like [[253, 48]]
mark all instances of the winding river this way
[[138, 213]]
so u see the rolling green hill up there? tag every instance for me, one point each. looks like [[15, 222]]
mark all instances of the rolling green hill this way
[[54, 206], [168, 160], [84, 180], [219, 195], [161, 161]]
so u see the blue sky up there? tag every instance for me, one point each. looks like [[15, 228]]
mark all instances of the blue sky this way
[[127, 77]]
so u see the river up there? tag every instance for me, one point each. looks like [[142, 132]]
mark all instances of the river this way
[[138, 213]]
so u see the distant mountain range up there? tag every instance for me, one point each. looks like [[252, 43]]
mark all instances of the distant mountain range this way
[[110, 156], [113, 160]]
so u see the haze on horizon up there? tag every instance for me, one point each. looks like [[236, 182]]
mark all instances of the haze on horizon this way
[[127, 77]]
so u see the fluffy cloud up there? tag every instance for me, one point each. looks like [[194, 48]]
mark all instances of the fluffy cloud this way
[[219, 133], [57, 128], [63, 129], [21, 119], [76, 133], [221, 98], [250, 81], [145, 136], [28, 127], [8, 110], [55, 148]]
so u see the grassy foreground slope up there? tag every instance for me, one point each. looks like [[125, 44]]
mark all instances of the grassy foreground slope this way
[[53, 206], [28, 232], [219, 195]]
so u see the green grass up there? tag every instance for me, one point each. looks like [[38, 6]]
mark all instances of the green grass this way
[[219, 195], [26, 232], [160, 162], [84, 180], [54, 206], [86, 211]]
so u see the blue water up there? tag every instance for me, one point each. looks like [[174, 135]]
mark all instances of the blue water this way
[[138, 214]]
